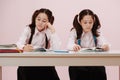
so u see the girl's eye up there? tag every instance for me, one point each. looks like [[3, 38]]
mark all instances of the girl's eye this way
[[90, 22], [43, 21], [85, 22], [38, 19]]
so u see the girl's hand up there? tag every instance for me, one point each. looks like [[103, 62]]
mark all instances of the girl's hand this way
[[28, 48], [105, 47], [76, 47], [51, 27]]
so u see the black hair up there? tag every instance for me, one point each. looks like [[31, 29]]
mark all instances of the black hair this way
[[80, 16], [35, 14]]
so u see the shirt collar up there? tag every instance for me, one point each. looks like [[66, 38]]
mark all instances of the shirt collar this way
[[88, 33], [37, 32]]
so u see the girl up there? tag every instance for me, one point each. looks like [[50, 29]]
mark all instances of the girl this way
[[39, 34], [85, 29]]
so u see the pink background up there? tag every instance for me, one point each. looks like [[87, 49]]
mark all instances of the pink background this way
[[16, 14]]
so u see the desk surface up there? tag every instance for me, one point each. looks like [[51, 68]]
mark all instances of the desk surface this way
[[60, 59]]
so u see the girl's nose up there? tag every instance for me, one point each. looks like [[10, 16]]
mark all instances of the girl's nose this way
[[87, 25], [40, 22]]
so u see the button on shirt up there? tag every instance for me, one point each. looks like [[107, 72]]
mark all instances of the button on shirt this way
[[38, 40], [87, 40]]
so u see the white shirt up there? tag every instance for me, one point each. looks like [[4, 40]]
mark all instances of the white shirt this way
[[87, 40], [38, 40]]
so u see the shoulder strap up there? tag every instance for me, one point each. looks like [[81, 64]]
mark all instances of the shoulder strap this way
[[95, 40], [31, 36], [30, 40], [79, 41], [46, 40]]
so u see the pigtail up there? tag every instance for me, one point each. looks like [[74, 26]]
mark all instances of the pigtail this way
[[97, 21], [32, 25], [32, 33], [77, 26], [96, 26], [51, 19]]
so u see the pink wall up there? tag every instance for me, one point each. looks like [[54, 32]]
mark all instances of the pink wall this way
[[16, 14]]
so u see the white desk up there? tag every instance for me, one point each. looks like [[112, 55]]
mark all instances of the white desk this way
[[111, 58], [60, 59]]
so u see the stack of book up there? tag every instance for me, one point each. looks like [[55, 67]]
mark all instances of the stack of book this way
[[9, 48]]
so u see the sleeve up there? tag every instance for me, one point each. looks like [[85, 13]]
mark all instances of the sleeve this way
[[55, 42], [102, 41], [23, 38], [71, 40]]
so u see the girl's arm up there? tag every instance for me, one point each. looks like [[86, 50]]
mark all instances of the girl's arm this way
[[53, 38], [51, 28], [71, 41], [105, 47], [28, 48], [55, 42], [23, 38], [102, 43]]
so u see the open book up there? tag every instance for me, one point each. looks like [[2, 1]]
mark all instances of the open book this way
[[96, 49], [9, 48], [39, 50]]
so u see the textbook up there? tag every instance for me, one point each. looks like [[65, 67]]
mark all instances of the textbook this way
[[88, 50], [61, 51], [9, 48], [4, 46], [39, 50], [10, 51], [96, 49], [48, 50]]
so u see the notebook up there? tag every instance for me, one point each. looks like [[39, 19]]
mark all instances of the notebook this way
[[9, 48]]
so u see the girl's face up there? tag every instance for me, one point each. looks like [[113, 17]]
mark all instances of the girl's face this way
[[41, 21], [87, 23]]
